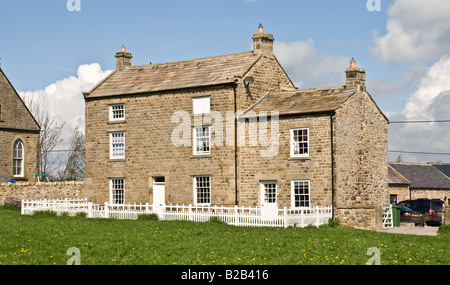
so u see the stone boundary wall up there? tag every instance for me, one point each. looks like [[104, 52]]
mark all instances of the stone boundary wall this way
[[41, 191], [369, 218], [446, 214]]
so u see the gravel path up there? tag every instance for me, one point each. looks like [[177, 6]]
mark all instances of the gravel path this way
[[428, 231]]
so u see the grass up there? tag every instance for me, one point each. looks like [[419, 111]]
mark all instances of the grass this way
[[44, 239]]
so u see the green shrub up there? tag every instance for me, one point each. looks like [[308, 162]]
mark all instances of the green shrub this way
[[148, 217]]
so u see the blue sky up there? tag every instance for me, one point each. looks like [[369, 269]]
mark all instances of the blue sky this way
[[44, 46], [43, 42]]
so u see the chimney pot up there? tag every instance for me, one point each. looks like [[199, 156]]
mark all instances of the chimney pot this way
[[123, 58], [261, 29], [355, 77], [263, 42], [353, 63]]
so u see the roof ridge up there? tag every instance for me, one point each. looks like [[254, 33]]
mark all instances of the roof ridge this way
[[186, 60]]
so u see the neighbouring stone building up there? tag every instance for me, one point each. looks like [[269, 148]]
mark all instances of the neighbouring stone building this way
[[234, 130], [410, 181], [19, 136]]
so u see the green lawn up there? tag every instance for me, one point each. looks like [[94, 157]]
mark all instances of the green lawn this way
[[44, 239]]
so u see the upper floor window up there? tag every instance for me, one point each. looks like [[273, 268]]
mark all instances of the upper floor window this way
[[18, 155], [117, 145], [117, 112], [202, 105], [202, 140], [300, 142]]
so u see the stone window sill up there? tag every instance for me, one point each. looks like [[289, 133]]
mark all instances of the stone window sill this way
[[299, 158], [201, 156], [117, 160], [117, 122]]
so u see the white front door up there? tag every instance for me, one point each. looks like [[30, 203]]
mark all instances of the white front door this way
[[269, 200], [159, 192]]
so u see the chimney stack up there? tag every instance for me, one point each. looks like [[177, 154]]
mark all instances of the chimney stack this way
[[123, 58], [263, 42], [355, 77]]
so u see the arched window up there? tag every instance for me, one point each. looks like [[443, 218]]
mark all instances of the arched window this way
[[18, 155]]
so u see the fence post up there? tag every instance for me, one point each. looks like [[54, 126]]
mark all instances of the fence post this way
[[89, 213], [302, 219], [22, 211], [285, 217], [190, 212], [147, 208], [236, 217], [106, 210], [317, 217]]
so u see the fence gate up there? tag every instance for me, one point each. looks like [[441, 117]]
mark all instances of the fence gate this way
[[388, 219]]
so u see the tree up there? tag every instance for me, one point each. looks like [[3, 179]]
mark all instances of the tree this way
[[74, 169], [50, 135]]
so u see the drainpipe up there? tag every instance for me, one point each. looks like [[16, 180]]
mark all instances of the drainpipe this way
[[332, 164], [235, 147]]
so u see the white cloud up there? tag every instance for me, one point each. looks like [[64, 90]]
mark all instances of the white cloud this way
[[308, 68], [431, 101], [416, 30], [431, 86], [65, 99]]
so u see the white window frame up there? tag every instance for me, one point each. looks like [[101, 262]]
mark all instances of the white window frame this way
[[112, 112], [196, 190], [201, 105], [293, 143], [18, 160], [114, 144], [201, 139], [307, 201], [266, 200], [117, 198]]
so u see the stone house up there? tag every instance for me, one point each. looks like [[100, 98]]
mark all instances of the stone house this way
[[410, 181], [234, 130], [19, 136]]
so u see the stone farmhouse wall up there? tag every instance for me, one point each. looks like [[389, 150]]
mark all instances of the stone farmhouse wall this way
[[256, 166], [149, 148], [40, 191], [361, 162]]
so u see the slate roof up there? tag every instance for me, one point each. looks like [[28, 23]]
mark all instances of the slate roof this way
[[422, 176], [174, 75], [444, 168], [302, 101], [395, 178]]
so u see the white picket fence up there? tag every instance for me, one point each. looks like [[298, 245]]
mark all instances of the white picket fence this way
[[238, 216]]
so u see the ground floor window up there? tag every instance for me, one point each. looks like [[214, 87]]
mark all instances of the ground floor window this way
[[117, 190], [18, 159], [300, 190], [393, 199], [202, 190], [269, 193]]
